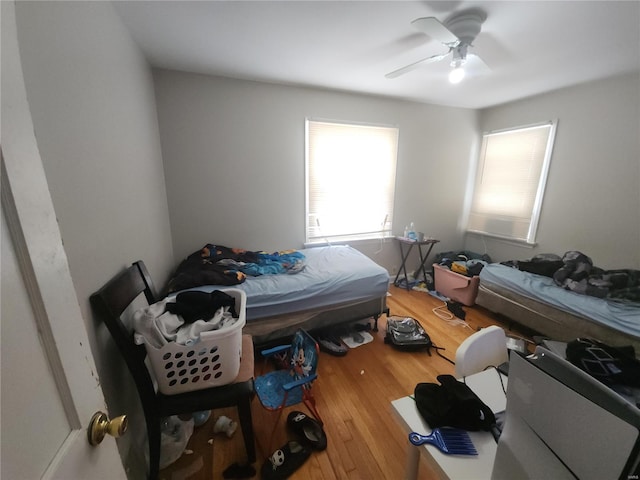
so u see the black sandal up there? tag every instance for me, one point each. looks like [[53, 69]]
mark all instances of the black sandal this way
[[333, 346], [284, 461], [308, 430]]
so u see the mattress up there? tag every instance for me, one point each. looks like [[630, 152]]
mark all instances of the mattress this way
[[332, 275], [621, 316]]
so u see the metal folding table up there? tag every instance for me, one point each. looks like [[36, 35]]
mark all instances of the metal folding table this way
[[405, 255]]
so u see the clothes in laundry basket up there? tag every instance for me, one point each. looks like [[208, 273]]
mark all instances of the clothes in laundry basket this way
[[157, 325]]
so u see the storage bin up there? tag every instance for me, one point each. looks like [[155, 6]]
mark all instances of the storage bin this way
[[459, 288], [469, 255], [211, 362]]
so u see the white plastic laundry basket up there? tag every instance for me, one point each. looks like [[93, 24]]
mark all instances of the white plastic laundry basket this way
[[211, 362]]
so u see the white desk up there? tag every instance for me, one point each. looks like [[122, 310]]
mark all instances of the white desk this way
[[457, 467]]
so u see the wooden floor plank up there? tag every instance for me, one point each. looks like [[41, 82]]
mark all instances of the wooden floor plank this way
[[353, 395]]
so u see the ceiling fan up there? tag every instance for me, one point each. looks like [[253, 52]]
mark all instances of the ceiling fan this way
[[457, 34]]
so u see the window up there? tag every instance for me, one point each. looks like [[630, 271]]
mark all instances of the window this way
[[350, 180], [510, 181]]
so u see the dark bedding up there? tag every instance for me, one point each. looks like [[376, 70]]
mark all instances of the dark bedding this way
[[219, 265], [575, 271]]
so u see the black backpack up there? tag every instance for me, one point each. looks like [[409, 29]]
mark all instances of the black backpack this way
[[452, 404], [611, 365], [406, 333]]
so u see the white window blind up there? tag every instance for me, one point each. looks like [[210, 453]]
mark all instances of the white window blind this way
[[350, 175], [510, 181]]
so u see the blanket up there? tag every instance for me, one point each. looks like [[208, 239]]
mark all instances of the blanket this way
[[220, 265], [575, 271], [289, 261]]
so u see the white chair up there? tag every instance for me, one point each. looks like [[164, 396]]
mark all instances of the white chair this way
[[487, 347]]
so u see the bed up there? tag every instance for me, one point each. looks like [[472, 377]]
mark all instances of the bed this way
[[536, 302], [334, 285]]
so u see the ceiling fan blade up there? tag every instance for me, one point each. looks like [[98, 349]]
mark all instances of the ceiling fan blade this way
[[432, 27], [424, 61], [476, 66]]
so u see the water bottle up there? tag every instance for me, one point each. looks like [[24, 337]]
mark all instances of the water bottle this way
[[412, 232]]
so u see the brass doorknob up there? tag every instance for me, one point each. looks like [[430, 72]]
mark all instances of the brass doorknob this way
[[100, 425]]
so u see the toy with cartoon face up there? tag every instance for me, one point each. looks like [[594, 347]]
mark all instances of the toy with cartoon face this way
[[298, 361], [276, 459]]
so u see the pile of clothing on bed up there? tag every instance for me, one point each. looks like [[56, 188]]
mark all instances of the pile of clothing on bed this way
[[219, 265], [575, 271], [463, 262]]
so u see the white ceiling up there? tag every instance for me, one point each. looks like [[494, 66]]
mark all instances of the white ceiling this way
[[530, 46]]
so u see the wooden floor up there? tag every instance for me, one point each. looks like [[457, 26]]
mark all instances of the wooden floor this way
[[353, 394]]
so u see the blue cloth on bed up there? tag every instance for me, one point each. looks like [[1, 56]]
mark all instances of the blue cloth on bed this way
[[274, 263], [290, 261]]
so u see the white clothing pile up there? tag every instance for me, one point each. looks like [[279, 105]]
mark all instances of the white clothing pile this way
[[156, 326]]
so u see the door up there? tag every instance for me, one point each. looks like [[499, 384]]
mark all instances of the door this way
[[49, 385]]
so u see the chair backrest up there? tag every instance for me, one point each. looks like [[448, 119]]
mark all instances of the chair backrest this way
[[304, 354], [110, 302], [487, 347]]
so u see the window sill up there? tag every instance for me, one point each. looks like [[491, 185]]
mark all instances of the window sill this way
[[351, 241], [507, 240]]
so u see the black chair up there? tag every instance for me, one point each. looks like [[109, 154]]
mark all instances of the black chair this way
[[109, 303]]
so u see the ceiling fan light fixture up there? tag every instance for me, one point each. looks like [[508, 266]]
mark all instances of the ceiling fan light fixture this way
[[456, 75]]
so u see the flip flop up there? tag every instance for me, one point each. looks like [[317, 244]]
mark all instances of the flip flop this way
[[308, 429], [284, 461], [332, 346]]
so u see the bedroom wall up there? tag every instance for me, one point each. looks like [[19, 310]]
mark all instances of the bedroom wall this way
[[92, 101], [592, 200], [234, 162]]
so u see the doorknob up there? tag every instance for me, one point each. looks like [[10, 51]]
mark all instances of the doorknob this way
[[100, 425]]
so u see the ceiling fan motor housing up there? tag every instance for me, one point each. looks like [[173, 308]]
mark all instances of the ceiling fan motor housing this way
[[466, 26]]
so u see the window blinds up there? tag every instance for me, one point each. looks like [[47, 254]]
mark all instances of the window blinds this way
[[350, 179], [510, 181]]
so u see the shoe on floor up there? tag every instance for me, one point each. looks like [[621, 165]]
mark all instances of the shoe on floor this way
[[284, 461], [236, 470], [307, 429], [333, 346], [357, 337]]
